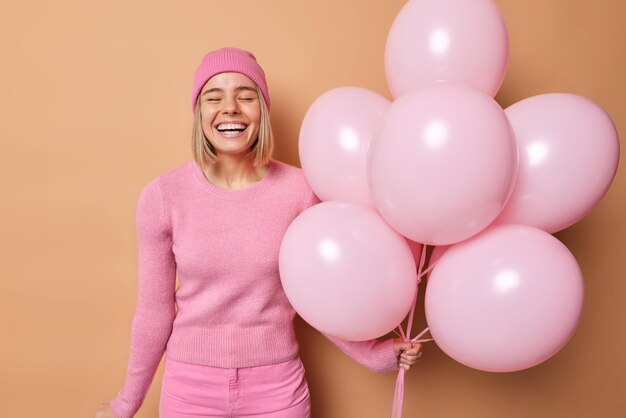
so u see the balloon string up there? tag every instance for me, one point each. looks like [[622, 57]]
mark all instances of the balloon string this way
[[398, 397], [419, 274], [427, 270], [417, 340], [401, 334]]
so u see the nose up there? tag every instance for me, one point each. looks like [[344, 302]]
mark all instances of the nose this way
[[230, 106]]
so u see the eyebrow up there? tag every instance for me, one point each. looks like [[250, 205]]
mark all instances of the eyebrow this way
[[236, 89]]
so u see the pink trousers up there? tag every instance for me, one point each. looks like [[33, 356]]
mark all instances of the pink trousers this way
[[273, 391]]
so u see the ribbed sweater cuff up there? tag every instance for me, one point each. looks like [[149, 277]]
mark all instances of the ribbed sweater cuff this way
[[378, 356], [129, 399]]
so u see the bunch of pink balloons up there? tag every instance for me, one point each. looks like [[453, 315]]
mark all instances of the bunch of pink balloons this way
[[444, 165]]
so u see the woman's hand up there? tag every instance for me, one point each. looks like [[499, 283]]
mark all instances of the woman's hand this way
[[104, 411], [407, 352]]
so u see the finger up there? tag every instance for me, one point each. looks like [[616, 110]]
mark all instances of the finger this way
[[410, 359], [408, 362], [411, 354], [400, 350], [416, 359], [404, 346]]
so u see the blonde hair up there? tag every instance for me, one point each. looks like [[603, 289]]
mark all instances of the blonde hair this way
[[260, 152]]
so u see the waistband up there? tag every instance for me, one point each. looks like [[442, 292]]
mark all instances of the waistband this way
[[233, 347]]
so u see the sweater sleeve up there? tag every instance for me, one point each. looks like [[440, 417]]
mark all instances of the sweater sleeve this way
[[378, 356], [156, 308]]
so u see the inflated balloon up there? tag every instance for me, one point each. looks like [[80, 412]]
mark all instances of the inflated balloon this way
[[441, 165], [334, 138], [346, 272], [569, 152], [464, 41], [506, 299]]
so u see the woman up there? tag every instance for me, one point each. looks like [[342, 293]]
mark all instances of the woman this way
[[218, 221]]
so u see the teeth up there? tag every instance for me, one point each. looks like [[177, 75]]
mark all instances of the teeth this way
[[230, 126]]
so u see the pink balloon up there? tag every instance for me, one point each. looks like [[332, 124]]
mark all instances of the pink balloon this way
[[346, 272], [569, 152], [464, 41], [504, 300], [334, 137], [441, 165]]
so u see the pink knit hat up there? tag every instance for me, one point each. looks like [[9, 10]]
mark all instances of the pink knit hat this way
[[229, 60]]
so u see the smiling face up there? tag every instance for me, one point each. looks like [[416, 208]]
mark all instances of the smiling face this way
[[231, 113]]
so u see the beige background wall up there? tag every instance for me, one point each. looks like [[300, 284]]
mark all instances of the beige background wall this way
[[94, 102]]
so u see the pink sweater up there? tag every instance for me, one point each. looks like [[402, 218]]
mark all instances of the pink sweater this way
[[224, 244]]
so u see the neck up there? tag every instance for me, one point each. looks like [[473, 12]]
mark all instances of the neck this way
[[234, 171]]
